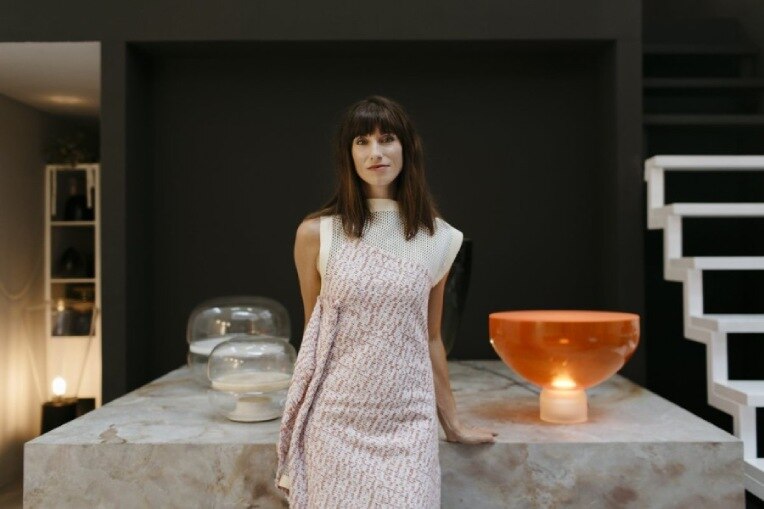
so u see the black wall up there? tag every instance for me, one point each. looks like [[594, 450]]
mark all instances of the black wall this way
[[513, 142], [213, 151]]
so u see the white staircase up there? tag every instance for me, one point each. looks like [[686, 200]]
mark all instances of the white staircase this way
[[737, 398]]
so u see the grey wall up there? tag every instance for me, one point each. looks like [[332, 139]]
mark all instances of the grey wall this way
[[514, 155], [24, 133], [27, 139]]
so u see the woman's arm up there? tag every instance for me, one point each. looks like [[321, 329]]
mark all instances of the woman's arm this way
[[455, 431], [306, 246]]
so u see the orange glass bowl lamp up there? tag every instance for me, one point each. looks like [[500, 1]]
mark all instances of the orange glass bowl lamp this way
[[564, 352]]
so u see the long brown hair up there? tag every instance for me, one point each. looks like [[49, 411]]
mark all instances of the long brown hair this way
[[415, 203]]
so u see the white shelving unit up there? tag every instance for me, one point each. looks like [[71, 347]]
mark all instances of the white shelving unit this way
[[739, 398], [73, 278]]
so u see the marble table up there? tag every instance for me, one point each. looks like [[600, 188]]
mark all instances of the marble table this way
[[162, 446]]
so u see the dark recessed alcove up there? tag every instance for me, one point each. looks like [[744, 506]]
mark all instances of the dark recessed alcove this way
[[230, 144]]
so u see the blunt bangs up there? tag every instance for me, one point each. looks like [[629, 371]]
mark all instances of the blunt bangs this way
[[370, 116]]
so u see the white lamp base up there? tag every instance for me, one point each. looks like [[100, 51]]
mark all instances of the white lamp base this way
[[563, 406], [251, 408]]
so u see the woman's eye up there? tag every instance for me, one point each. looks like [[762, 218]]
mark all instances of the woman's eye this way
[[360, 141], [389, 139]]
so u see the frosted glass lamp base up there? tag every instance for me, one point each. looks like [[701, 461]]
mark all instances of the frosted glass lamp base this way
[[252, 408], [563, 406]]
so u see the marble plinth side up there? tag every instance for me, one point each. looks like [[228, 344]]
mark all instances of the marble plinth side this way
[[163, 446]]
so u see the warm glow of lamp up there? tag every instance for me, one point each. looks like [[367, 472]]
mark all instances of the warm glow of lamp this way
[[563, 382], [65, 99], [60, 305], [58, 386], [564, 352]]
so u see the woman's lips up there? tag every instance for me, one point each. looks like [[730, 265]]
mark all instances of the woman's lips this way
[[378, 166]]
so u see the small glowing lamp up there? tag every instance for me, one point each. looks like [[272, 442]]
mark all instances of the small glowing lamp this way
[[564, 353], [58, 386]]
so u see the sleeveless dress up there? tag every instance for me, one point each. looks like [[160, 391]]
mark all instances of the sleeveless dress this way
[[360, 426]]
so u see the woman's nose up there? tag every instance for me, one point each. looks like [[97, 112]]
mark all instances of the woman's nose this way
[[375, 149]]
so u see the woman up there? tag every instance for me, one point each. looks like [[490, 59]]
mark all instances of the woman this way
[[359, 428]]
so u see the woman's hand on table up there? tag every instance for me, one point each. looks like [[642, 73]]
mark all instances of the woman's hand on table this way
[[466, 434]]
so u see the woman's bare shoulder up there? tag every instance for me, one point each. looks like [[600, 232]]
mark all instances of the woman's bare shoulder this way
[[309, 232]]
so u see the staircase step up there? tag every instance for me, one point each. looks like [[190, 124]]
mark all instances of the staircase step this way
[[745, 392], [729, 323], [703, 120], [706, 163], [709, 210], [726, 83], [754, 468], [720, 262]]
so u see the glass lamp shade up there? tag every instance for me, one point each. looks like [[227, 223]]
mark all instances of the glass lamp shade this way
[[249, 377], [564, 353], [217, 320]]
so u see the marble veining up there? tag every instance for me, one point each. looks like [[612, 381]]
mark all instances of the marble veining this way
[[162, 445]]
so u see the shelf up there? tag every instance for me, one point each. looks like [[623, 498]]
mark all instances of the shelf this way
[[69, 167], [699, 49], [72, 223], [703, 120], [658, 83], [653, 83], [72, 285]]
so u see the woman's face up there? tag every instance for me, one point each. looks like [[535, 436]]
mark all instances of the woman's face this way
[[378, 159]]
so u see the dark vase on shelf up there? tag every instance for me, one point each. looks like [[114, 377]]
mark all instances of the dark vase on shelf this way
[[70, 264], [82, 322], [76, 207], [455, 295]]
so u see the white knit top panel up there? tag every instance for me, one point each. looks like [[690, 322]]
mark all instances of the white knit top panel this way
[[385, 231]]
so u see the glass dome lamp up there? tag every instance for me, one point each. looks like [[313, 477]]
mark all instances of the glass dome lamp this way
[[564, 353], [222, 318], [249, 377]]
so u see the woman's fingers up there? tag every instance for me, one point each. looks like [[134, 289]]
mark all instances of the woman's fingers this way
[[477, 437], [485, 430], [468, 434]]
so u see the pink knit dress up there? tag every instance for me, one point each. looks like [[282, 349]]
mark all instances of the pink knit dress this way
[[360, 426]]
